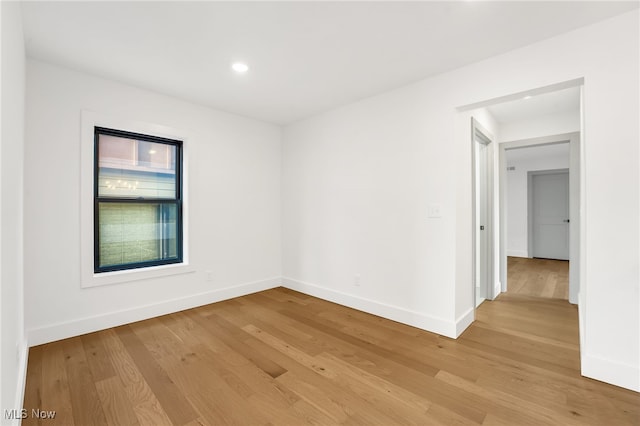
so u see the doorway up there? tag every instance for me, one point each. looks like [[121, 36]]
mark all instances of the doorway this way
[[483, 208], [549, 214], [548, 170], [548, 115]]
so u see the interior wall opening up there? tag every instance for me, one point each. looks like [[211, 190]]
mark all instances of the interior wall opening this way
[[538, 220], [532, 125]]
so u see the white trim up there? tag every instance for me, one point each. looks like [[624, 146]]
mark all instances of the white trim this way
[[582, 229], [519, 95], [63, 330], [395, 313], [615, 373], [465, 320], [497, 289], [118, 277], [21, 382], [89, 120], [517, 253], [481, 135]]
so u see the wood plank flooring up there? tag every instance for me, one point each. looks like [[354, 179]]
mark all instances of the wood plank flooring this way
[[538, 277], [283, 358]]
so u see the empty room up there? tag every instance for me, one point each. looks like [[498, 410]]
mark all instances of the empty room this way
[[287, 213]]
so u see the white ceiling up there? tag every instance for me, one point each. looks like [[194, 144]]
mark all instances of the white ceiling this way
[[558, 102], [305, 57]]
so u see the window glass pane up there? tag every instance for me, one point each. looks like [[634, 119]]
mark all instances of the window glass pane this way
[[129, 168], [120, 183], [116, 152], [156, 156], [137, 232]]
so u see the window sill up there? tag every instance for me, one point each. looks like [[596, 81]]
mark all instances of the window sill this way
[[119, 277]]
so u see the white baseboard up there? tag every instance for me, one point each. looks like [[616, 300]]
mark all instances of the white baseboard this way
[[51, 333], [582, 318], [465, 321], [395, 313], [517, 253], [21, 379], [624, 375]]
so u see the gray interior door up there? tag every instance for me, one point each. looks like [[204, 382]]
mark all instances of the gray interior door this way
[[550, 215]]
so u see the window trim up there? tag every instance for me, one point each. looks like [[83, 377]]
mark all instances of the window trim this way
[[88, 278], [97, 200]]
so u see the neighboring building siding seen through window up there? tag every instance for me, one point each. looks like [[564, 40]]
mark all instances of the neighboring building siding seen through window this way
[[137, 200]]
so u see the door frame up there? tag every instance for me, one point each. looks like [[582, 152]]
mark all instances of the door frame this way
[[575, 201], [530, 230], [485, 137]]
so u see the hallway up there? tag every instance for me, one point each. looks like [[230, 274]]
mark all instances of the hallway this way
[[546, 278]]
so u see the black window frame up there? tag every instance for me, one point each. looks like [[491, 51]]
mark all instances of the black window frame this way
[[97, 200]]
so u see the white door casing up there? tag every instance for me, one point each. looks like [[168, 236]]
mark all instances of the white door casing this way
[[483, 218]]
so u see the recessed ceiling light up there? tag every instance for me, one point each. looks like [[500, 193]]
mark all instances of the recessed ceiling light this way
[[527, 97], [240, 67]]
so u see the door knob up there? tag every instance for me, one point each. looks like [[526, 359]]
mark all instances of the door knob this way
[[566, 221]]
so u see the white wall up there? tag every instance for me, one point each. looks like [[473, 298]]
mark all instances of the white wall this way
[[358, 181], [234, 172], [13, 352], [525, 160]]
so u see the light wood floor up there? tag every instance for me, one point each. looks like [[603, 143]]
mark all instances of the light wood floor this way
[[538, 277], [283, 358]]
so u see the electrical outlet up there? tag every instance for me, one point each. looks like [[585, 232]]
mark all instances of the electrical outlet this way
[[209, 275], [356, 280], [17, 354]]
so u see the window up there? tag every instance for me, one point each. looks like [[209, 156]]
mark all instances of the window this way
[[137, 200]]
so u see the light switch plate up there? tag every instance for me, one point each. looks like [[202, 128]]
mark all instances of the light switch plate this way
[[434, 211]]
